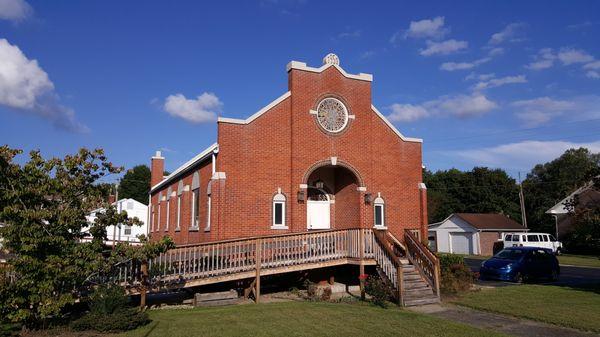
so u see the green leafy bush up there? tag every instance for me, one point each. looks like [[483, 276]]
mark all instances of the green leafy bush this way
[[456, 275], [109, 312], [378, 290], [120, 320]]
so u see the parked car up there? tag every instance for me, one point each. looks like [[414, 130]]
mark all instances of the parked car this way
[[540, 240], [519, 264]]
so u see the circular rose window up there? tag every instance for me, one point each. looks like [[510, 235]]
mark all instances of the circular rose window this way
[[332, 115]]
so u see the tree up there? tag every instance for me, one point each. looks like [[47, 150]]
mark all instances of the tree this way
[[136, 184], [44, 205], [549, 183], [481, 190]]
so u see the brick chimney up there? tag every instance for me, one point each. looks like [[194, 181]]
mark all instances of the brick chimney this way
[[157, 168]]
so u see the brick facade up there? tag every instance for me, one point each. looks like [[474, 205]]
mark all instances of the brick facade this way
[[285, 149]]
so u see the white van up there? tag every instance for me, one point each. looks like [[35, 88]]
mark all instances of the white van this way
[[541, 240]]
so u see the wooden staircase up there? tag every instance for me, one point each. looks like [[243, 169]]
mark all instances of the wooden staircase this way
[[409, 268]]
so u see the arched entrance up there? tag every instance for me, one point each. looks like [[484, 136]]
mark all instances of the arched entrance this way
[[333, 197]]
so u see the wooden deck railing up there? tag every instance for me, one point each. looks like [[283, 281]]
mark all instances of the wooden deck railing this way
[[424, 260], [229, 257], [389, 262]]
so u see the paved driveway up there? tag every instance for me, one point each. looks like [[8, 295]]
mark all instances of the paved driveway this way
[[569, 275]]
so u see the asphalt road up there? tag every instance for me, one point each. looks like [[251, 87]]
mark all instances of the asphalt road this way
[[568, 275]]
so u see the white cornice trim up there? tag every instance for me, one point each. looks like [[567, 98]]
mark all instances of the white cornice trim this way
[[406, 139], [257, 114], [197, 159], [303, 66]]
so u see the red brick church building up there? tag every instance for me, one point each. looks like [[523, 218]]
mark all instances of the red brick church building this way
[[319, 157]]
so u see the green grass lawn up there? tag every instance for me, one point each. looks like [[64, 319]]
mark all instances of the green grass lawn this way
[[574, 308], [300, 319], [580, 260]]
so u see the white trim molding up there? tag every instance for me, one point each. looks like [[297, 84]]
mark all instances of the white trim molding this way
[[361, 188], [197, 159], [257, 114], [304, 67], [386, 121], [422, 186]]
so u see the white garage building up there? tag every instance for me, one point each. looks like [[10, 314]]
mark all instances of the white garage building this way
[[471, 233]]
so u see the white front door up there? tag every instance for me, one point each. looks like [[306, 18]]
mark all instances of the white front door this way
[[317, 216]]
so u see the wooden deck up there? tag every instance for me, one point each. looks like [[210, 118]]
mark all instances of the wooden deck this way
[[251, 258]]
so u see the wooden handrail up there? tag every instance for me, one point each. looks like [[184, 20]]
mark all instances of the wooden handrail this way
[[424, 261], [262, 237]]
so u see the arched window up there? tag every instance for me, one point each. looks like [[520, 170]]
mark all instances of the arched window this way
[[279, 210], [379, 207], [208, 205], [160, 199], [195, 202], [179, 193], [169, 192]]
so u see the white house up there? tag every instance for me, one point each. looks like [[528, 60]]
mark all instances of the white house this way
[[471, 233], [124, 233]]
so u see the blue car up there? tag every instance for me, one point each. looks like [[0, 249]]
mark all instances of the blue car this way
[[519, 264]]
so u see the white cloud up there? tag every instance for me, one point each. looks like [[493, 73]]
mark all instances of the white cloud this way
[[462, 106], [200, 110], [26, 87], [15, 10], [497, 82], [521, 155], [444, 47], [543, 60], [350, 34], [507, 34], [570, 56], [407, 112], [452, 66], [592, 65], [367, 54], [428, 28], [480, 77], [593, 74], [537, 111]]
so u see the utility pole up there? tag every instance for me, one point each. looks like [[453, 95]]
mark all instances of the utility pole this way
[[522, 202]]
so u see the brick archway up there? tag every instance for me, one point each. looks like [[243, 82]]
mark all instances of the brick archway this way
[[328, 162]]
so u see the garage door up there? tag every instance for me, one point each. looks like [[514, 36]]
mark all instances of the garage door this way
[[462, 243]]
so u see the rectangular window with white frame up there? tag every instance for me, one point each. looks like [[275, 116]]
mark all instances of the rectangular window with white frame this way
[[195, 209], [168, 215]]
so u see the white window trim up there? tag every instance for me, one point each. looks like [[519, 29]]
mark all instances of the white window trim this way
[[195, 224], [207, 229], [168, 215], [158, 219], [178, 228], [379, 202], [279, 198]]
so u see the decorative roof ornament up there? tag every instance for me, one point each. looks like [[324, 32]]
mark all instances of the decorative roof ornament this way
[[331, 58]]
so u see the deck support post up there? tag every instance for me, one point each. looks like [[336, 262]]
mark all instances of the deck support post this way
[[144, 289], [400, 282], [361, 253], [258, 258]]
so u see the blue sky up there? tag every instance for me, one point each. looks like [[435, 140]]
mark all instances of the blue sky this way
[[502, 84]]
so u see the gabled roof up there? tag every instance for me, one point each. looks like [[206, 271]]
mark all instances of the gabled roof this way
[[257, 114], [486, 221], [200, 157], [560, 208]]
